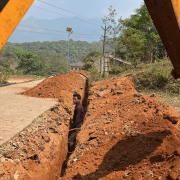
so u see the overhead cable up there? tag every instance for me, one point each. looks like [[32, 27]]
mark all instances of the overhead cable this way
[[59, 31], [69, 11], [50, 33], [65, 15]]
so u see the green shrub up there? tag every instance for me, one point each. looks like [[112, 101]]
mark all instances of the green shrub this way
[[156, 76], [94, 74], [115, 70], [3, 78], [153, 80]]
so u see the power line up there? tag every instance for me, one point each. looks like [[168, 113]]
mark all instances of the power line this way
[[65, 15], [51, 11], [38, 32], [68, 11], [59, 31], [42, 28], [48, 33]]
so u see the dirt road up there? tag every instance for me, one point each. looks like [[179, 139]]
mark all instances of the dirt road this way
[[18, 111]]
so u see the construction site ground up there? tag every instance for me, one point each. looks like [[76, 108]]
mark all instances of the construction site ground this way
[[18, 111], [125, 135]]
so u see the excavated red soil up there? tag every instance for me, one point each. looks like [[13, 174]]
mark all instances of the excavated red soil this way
[[59, 86], [126, 136], [38, 152]]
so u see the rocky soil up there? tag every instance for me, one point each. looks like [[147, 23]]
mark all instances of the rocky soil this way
[[126, 136], [39, 151]]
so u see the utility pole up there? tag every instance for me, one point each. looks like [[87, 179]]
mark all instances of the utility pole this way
[[69, 30], [104, 42]]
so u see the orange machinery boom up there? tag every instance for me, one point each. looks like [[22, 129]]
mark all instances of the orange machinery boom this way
[[166, 17], [165, 14], [11, 13]]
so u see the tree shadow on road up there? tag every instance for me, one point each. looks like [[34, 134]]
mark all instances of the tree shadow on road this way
[[127, 152]]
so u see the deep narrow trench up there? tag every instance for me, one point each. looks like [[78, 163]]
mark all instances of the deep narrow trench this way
[[86, 94], [85, 105]]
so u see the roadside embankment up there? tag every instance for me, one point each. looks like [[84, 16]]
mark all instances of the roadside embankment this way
[[39, 151], [126, 136]]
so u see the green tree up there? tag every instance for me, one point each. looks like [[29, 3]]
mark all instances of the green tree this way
[[77, 48], [91, 58], [93, 53], [53, 63], [52, 55], [136, 38], [113, 29], [139, 39], [30, 64]]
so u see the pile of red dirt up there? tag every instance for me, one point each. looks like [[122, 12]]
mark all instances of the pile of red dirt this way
[[38, 152], [59, 86], [126, 136]]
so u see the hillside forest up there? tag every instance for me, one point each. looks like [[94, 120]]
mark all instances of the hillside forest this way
[[42, 58], [134, 39]]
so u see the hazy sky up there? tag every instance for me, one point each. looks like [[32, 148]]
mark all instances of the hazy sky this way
[[88, 8]]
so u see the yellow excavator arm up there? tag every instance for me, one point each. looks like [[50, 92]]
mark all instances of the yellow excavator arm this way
[[165, 14], [11, 13], [166, 17]]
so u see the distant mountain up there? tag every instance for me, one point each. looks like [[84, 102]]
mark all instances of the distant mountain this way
[[78, 25]]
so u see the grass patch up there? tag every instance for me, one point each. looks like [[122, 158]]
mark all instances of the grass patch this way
[[155, 76], [3, 78]]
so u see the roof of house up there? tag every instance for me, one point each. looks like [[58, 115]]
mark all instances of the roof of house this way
[[78, 64]]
